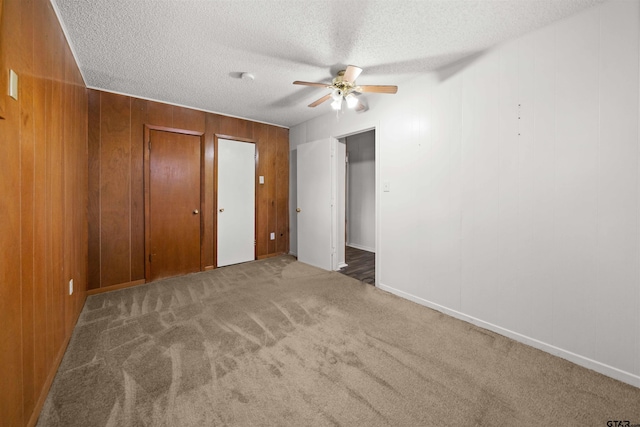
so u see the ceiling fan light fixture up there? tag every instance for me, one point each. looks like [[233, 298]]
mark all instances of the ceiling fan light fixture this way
[[343, 88], [352, 101]]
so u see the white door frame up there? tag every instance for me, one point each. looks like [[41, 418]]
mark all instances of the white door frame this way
[[361, 129], [338, 208]]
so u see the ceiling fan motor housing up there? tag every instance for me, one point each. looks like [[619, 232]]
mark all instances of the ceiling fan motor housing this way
[[344, 87]]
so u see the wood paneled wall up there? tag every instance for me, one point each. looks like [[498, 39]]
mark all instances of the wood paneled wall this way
[[43, 198], [116, 197]]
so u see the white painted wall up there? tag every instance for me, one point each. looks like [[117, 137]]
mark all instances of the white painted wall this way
[[514, 199], [361, 194]]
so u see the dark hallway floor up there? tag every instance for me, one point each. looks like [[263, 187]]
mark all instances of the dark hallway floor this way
[[361, 265]]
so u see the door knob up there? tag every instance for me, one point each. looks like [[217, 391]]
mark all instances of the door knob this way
[[222, 210], [298, 210], [196, 211]]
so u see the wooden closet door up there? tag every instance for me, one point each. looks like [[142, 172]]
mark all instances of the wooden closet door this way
[[174, 204]]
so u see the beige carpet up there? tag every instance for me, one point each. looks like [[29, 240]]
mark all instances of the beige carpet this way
[[280, 343]]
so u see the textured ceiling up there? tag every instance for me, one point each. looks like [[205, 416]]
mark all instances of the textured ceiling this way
[[191, 52]]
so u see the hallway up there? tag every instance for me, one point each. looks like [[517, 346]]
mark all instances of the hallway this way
[[361, 265]]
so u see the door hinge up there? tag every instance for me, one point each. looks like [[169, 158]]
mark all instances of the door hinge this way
[[255, 243], [149, 257], [149, 145]]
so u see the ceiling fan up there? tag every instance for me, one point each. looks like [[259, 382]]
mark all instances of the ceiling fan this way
[[344, 88]]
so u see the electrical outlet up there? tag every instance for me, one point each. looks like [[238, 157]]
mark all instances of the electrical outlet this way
[[273, 236], [71, 287]]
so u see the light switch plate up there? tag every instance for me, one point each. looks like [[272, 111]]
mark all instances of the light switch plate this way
[[273, 236], [261, 179], [71, 287], [13, 84]]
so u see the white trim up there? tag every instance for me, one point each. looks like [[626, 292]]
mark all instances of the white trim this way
[[610, 371], [56, 10], [375, 127], [637, 364], [183, 106], [342, 265], [362, 248], [377, 259]]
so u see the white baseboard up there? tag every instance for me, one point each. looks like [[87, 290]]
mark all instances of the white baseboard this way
[[610, 371], [362, 248], [342, 265]]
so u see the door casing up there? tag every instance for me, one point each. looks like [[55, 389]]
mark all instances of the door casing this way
[[350, 131]]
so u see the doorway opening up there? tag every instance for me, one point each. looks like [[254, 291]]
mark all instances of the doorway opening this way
[[360, 207]]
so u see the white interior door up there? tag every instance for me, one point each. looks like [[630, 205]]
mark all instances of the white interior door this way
[[236, 202], [319, 212]]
